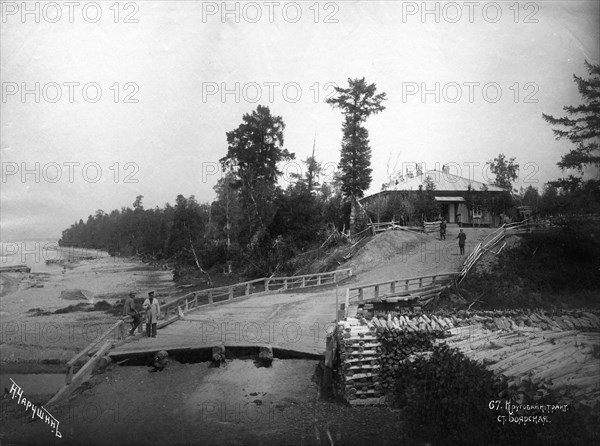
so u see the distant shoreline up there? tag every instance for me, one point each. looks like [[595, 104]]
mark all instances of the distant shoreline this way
[[44, 341]]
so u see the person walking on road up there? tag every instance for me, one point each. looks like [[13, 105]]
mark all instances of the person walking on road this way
[[461, 241], [443, 229], [152, 312], [130, 310]]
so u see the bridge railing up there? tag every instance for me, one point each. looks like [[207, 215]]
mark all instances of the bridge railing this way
[[191, 301], [307, 280], [399, 287]]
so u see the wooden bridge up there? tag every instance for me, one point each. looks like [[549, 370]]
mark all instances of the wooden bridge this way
[[276, 311]]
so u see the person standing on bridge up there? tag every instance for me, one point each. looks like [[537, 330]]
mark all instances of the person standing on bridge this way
[[152, 312], [130, 310], [461, 241]]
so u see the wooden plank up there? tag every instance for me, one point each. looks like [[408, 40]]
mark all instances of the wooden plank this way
[[81, 376], [86, 350]]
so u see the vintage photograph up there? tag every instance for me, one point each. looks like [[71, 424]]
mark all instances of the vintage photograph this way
[[300, 222]]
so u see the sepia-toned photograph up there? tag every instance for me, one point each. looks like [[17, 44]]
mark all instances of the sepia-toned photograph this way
[[300, 223]]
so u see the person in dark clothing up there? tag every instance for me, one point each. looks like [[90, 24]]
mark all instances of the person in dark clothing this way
[[461, 241], [130, 310], [443, 230]]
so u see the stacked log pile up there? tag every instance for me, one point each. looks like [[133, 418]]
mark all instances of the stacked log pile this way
[[371, 351], [536, 351], [356, 371]]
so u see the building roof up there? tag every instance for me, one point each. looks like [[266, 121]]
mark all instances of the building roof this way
[[443, 181]]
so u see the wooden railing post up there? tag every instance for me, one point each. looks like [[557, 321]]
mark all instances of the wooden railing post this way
[[376, 292], [195, 300], [247, 292], [360, 294], [347, 303], [319, 280], [267, 284], [406, 284], [69, 375], [303, 281], [187, 304], [121, 331], [230, 293], [210, 297], [392, 287], [285, 284]]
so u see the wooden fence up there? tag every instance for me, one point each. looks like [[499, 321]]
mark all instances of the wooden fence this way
[[492, 240], [115, 333], [421, 287], [432, 226], [393, 225]]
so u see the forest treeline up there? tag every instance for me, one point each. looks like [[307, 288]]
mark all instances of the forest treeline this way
[[258, 227]]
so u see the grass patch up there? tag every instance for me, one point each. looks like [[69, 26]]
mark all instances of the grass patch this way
[[545, 270], [446, 399]]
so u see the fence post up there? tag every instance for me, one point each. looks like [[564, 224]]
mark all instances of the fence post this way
[[319, 280], [187, 305], [285, 284], [392, 287], [347, 304], [376, 291], [210, 297], [303, 281], [69, 375], [247, 292], [360, 294], [267, 284], [195, 300], [121, 330], [230, 293]]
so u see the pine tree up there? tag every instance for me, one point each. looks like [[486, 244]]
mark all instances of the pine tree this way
[[357, 103], [581, 126]]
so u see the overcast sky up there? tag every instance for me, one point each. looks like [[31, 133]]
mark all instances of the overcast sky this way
[[152, 118]]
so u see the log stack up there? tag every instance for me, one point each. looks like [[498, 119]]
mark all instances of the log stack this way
[[536, 351], [370, 353], [356, 370], [537, 361]]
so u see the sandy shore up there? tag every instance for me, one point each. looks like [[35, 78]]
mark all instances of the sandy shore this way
[[29, 339]]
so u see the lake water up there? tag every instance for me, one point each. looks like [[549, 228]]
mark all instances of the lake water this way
[[35, 253]]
